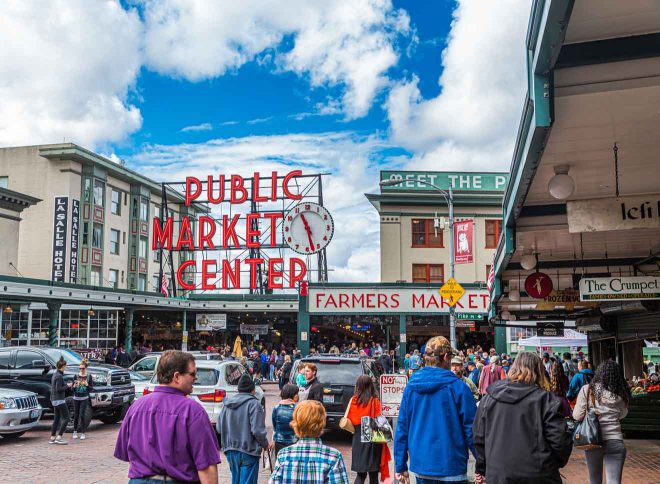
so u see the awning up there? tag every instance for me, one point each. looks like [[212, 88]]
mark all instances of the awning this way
[[570, 338]]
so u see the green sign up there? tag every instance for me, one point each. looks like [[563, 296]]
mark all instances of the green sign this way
[[468, 181], [470, 316]]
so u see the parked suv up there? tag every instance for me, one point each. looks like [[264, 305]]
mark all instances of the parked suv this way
[[19, 412], [31, 368], [338, 375]]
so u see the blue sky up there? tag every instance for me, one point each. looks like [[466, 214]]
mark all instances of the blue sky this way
[[347, 87]]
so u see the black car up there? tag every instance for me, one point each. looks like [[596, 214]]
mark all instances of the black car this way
[[31, 368], [338, 375]]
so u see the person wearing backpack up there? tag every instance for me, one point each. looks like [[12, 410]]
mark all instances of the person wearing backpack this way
[[608, 394], [581, 378]]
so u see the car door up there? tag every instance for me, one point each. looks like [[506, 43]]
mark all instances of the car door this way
[[146, 366], [5, 367], [31, 373]]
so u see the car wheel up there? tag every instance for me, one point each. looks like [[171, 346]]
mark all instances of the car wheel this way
[[115, 416], [13, 435]]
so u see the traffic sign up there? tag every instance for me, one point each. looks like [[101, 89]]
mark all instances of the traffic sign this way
[[391, 394], [451, 291]]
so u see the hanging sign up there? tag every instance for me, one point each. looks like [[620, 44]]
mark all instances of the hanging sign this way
[[538, 285], [451, 291], [210, 322], [463, 242], [553, 329], [75, 231], [60, 222], [623, 213], [254, 328], [619, 288]]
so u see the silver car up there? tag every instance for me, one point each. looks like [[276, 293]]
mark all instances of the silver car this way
[[146, 365], [19, 412]]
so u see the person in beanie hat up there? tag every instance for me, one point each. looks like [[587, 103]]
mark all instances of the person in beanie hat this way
[[437, 452], [242, 429]]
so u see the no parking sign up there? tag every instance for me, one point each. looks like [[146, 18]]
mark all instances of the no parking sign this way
[[391, 394]]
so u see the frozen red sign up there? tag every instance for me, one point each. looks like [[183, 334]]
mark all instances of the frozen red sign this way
[[391, 394], [463, 241]]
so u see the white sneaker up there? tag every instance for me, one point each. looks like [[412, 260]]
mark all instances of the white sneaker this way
[[82, 437], [60, 440], [75, 435], [51, 440]]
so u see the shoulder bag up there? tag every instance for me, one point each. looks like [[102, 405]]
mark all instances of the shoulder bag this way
[[345, 423], [587, 432]]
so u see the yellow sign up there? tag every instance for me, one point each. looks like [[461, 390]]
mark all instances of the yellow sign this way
[[451, 291]]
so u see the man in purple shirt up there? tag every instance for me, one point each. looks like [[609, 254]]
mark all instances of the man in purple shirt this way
[[165, 435]]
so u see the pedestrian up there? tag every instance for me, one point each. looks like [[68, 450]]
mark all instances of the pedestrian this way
[[582, 377], [547, 364], [285, 371], [368, 458], [58, 399], [415, 361], [242, 429], [519, 432], [122, 359], [436, 442], [491, 373], [109, 359], [165, 435], [570, 368], [559, 386], [474, 373], [406, 363], [271, 365], [309, 461], [283, 434], [300, 377], [82, 386], [312, 390], [264, 364], [608, 394], [457, 368]]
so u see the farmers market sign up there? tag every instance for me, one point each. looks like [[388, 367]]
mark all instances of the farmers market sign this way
[[619, 288]]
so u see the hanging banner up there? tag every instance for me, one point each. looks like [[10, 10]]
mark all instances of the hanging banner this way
[[75, 231], [254, 329], [463, 231], [60, 222], [211, 322]]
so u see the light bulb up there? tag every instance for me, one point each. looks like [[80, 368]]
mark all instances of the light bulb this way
[[528, 262], [561, 186], [506, 315], [514, 295]]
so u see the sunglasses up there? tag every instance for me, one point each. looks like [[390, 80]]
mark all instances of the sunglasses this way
[[191, 373]]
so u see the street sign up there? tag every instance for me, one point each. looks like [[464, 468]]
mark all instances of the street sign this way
[[391, 394], [470, 316], [451, 291], [554, 328]]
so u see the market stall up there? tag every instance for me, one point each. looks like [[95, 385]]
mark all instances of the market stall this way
[[571, 338]]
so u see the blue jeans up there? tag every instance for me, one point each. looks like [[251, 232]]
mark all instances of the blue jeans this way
[[244, 467]]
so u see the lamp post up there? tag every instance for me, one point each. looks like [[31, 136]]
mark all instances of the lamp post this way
[[449, 199]]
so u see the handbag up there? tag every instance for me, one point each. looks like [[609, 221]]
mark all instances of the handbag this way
[[587, 432], [376, 429], [345, 423]]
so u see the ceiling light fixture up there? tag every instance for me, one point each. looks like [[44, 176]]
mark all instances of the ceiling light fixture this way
[[561, 186], [528, 261]]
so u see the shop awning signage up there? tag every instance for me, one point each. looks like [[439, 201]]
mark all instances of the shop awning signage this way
[[619, 288], [392, 300], [623, 213]]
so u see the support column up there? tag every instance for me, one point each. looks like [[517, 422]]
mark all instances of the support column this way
[[53, 316], [303, 326], [499, 338], [184, 336], [387, 337], [128, 333], [403, 339]]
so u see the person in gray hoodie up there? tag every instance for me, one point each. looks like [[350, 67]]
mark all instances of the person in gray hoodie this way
[[242, 429]]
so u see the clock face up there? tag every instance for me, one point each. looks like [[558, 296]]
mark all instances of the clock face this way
[[308, 228]]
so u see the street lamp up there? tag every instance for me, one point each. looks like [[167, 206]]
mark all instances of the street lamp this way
[[449, 199]]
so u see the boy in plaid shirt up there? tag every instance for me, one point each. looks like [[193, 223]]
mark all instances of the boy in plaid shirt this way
[[309, 461]]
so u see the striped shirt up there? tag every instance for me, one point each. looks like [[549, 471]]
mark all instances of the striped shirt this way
[[309, 462]]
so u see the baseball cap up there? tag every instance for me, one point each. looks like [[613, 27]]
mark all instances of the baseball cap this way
[[457, 360], [438, 346], [546, 355]]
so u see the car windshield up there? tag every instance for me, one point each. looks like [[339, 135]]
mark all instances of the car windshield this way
[[344, 373], [71, 357]]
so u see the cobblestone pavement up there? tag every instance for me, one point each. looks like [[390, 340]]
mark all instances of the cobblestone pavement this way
[[31, 460]]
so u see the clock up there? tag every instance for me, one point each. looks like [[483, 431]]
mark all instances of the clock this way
[[308, 228]]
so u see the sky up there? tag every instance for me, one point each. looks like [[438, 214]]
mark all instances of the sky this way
[[348, 87]]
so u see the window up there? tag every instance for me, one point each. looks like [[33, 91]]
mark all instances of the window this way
[[423, 234], [4, 183], [4, 359], [97, 236], [156, 255], [143, 247], [115, 205], [87, 190], [154, 282], [493, 230], [98, 193], [142, 282], [85, 233], [157, 212], [428, 273], [114, 241], [113, 278], [144, 210], [145, 364], [27, 360], [95, 276]]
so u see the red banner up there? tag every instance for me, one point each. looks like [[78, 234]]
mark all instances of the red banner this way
[[463, 253]]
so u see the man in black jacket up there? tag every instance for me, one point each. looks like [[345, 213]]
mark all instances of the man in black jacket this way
[[313, 388]]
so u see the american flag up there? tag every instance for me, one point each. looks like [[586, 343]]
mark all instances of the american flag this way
[[164, 285], [491, 276]]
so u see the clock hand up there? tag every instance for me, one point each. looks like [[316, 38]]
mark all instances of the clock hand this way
[[308, 230]]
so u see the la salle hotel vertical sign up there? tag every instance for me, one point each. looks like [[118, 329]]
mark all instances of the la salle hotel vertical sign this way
[[60, 223]]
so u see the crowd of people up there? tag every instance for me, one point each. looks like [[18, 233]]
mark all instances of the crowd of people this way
[[511, 418]]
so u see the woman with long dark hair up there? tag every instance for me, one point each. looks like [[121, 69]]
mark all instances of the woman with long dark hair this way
[[368, 458], [559, 386], [608, 394]]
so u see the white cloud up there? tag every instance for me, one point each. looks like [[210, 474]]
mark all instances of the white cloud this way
[[348, 157], [334, 42], [472, 123], [198, 127], [66, 70]]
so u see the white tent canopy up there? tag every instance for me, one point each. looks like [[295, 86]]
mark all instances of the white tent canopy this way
[[570, 338]]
